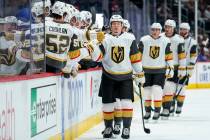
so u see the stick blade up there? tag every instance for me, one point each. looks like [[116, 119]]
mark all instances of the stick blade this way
[[146, 130]]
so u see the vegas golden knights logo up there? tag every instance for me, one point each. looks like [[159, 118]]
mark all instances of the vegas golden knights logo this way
[[154, 51], [7, 57], [117, 54]]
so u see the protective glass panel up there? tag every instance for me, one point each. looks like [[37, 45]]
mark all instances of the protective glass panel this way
[[21, 37]]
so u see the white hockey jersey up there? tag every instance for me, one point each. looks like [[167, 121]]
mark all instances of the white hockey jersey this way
[[120, 56], [9, 64], [156, 54], [191, 50], [177, 47], [58, 39], [36, 35]]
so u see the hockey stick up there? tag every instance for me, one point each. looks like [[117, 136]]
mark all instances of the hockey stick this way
[[93, 12], [146, 130], [179, 91]]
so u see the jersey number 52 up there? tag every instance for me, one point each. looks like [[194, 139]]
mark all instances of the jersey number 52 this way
[[57, 43]]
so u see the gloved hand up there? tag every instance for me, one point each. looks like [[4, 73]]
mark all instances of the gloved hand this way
[[67, 69], [181, 72], [139, 78], [190, 70], [75, 70], [169, 72], [100, 36], [71, 68]]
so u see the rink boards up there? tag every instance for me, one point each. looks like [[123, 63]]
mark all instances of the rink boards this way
[[201, 76], [51, 107]]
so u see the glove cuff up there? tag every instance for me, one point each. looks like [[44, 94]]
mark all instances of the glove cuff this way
[[139, 75]]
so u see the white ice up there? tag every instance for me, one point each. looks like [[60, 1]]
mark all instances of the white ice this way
[[192, 124]]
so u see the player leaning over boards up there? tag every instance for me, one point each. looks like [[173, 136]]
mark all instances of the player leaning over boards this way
[[120, 57], [191, 56], [157, 61], [179, 59]]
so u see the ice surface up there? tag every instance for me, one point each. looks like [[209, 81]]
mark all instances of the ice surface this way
[[192, 124]]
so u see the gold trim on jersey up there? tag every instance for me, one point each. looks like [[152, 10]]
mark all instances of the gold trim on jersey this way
[[87, 35], [154, 52], [191, 67], [153, 67], [55, 58], [181, 68], [169, 56], [169, 68], [136, 57], [181, 55], [74, 54], [118, 73], [39, 59]]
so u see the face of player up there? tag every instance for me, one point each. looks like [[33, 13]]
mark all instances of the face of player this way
[[183, 32], [7, 27], [169, 31], [47, 11], [73, 21], [155, 33], [116, 27], [40, 19]]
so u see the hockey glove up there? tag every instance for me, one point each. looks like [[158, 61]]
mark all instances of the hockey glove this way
[[139, 78], [100, 36], [169, 72], [71, 68], [182, 72], [190, 70]]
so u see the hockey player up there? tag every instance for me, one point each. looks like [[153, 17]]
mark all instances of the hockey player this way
[[10, 62], [47, 8], [157, 61], [58, 36], [36, 35], [86, 19], [126, 25], [191, 56], [179, 59], [78, 51], [119, 57], [117, 104]]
